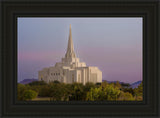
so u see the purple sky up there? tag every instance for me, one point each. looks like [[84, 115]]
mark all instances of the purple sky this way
[[114, 45]]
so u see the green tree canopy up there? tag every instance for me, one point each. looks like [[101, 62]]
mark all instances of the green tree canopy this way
[[20, 91], [139, 91], [57, 91], [29, 95], [37, 83], [108, 93], [126, 96]]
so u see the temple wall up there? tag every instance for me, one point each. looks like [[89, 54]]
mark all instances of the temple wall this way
[[81, 75], [70, 69]]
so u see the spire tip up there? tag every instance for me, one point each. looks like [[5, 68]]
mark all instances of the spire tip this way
[[70, 50]]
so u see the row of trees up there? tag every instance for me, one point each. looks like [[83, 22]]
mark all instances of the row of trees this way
[[78, 92]]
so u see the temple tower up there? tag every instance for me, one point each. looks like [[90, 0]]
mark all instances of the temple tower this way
[[70, 49]]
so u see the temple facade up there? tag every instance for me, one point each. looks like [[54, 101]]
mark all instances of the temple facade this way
[[70, 69]]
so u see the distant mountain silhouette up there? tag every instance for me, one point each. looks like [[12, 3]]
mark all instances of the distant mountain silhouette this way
[[132, 85], [115, 82], [27, 81], [135, 84]]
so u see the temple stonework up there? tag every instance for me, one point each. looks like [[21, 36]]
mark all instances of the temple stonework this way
[[70, 69]]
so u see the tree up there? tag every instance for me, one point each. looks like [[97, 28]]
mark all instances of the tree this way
[[95, 94], [56, 81], [55, 92], [125, 96], [44, 91], [58, 92], [77, 92], [37, 83], [66, 92], [104, 84], [117, 84], [124, 85], [108, 93], [88, 86], [130, 90], [20, 91], [111, 92], [139, 92], [29, 95]]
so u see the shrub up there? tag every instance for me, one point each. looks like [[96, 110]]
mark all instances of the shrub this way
[[126, 96], [20, 91], [108, 93], [29, 94], [44, 91]]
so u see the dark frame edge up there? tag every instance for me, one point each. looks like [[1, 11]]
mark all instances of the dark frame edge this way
[[157, 52], [1, 58]]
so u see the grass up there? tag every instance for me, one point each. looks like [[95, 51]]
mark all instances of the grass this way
[[41, 99]]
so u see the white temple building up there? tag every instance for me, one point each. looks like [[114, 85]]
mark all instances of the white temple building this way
[[70, 69]]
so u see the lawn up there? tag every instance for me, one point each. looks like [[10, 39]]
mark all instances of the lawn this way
[[41, 99]]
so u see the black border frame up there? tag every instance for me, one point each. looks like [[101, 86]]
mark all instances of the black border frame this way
[[11, 9]]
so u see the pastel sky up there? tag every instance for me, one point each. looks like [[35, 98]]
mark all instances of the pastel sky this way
[[114, 45]]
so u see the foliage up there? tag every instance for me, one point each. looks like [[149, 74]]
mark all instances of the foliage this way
[[57, 91], [125, 85], [25, 93], [43, 90], [37, 83], [77, 92], [117, 84], [129, 90], [104, 84], [20, 91], [139, 91], [125, 96], [56, 81], [109, 92], [29, 94]]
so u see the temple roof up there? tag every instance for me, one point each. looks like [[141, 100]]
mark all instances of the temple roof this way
[[70, 49]]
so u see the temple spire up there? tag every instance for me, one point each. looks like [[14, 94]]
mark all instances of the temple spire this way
[[70, 49]]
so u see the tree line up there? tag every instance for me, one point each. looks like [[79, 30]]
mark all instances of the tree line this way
[[57, 91]]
